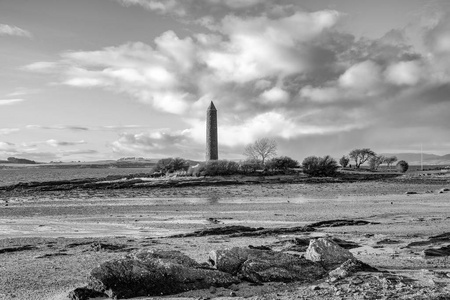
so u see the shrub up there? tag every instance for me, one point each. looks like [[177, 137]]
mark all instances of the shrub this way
[[250, 165], [320, 166], [402, 166], [170, 165], [214, 168], [344, 161], [282, 163]]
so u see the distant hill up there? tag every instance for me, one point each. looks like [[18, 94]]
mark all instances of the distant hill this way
[[14, 160], [428, 159]]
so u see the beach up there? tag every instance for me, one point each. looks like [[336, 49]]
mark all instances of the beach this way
[[55, 239]]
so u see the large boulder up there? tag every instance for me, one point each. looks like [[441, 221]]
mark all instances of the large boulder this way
[[327, 252], [263, 266], [152, 273]]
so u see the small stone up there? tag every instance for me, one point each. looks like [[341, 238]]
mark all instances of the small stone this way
[[212, 290], [233, 287], [233, 294], [315, 288]]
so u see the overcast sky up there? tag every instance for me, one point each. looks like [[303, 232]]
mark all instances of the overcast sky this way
[[104, 79]]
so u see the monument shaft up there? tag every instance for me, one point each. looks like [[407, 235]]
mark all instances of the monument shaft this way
[[212, 148]]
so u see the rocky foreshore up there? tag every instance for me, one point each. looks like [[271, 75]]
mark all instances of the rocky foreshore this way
[[147, 181]]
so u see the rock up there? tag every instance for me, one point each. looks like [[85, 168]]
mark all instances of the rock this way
[[224, 230], [264, 266], [340, 222], [442, 251], [327, 252], [388, 242], [16, 249], [350, 267], [151, 273], [84, 293]]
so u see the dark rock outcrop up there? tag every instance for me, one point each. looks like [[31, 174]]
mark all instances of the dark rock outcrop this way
[[340, 222], [437, 252], [151, 273], [263, 266]]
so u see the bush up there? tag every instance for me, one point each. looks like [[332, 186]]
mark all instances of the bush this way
[[402, 166], [320, 166], [170, 165], [214, 168], [344, 161], [250, 165], [282, 163]]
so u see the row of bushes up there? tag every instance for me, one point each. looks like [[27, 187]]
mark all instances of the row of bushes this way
[[312, 165]]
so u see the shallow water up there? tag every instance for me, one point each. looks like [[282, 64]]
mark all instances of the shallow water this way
[[14, 176]]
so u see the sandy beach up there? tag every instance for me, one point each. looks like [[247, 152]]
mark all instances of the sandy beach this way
[[50, 241]]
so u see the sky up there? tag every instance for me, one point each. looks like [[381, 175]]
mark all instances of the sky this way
[[90, 80]]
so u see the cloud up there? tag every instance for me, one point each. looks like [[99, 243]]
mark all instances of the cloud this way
[[13, 31], [58, 127], [193, 8], [56, 143], [4, 131], [10, 101], [158, 144], [42, 67]]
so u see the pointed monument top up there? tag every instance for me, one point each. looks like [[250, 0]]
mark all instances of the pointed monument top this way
[[211, 106]]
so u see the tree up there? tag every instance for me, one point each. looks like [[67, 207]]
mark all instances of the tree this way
[[320, 166], [375, 161], [402, 166], [282, 163], [261, 149], [360, 156], [389, 160], [344, 161]]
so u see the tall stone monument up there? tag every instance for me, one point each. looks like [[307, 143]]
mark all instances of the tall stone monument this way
[[212, 148]]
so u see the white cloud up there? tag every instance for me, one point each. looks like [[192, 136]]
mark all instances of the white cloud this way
[[275, 95], [13, 31], [365, 76], [4, 131], [42, 67], [10, 101], [56, 143], [404, 73]]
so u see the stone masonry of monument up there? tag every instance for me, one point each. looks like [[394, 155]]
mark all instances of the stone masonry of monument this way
[[212, 148]]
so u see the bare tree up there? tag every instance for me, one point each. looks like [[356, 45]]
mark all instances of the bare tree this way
[[360, 156], [261, 149]]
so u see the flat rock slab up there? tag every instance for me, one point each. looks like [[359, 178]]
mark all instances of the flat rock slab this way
[[257, 265], [154, 273]]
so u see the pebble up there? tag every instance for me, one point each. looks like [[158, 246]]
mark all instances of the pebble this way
[[212, 290]]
